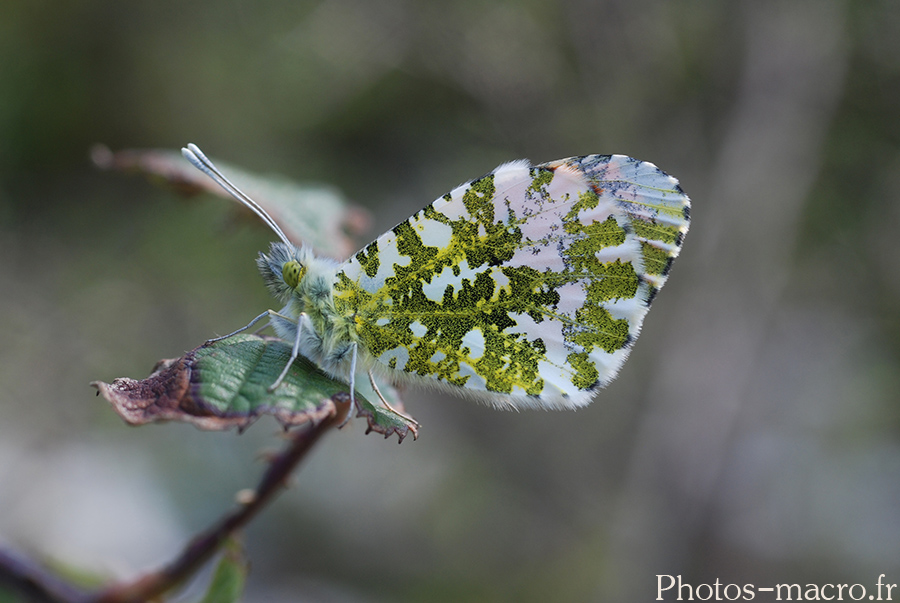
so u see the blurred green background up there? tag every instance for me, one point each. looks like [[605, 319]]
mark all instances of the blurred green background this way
[[754, 435]]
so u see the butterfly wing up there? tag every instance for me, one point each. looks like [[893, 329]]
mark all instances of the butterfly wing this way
[[526, 287]]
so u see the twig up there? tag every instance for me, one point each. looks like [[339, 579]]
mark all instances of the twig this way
[[203, 546], [40, 585], [35, 582]]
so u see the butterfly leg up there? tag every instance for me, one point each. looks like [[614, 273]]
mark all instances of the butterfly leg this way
[[352, 387], [295, 351], [387, 404], [242, 329]]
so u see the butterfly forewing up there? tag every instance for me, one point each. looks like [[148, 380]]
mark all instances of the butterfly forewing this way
[[525, 287]]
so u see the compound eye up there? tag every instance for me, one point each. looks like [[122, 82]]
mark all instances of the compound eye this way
[[291, 272]]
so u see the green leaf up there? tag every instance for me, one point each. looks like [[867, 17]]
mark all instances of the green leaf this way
[[225, 384], [227, 583], [317, 215]]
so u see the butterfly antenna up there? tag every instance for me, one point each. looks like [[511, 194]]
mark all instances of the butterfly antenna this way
[[193, 154]]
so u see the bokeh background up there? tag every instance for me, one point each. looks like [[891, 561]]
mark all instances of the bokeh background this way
[[753, 436]]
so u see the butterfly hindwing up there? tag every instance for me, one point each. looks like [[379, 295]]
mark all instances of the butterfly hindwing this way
[[526, 287]]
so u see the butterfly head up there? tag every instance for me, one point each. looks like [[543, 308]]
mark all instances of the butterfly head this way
[[283, 268]]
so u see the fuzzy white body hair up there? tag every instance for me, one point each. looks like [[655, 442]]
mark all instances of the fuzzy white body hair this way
[[326, 337]]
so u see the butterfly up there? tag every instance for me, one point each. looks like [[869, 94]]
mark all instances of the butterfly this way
[[525, 288]]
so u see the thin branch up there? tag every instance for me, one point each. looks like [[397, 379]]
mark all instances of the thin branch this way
[[34, 581], [38, 584], [199, 550]]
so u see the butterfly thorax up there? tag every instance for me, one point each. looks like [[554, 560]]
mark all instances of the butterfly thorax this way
[[305, 284]]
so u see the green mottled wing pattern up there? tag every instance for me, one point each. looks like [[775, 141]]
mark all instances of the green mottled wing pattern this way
[[526, 287]]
